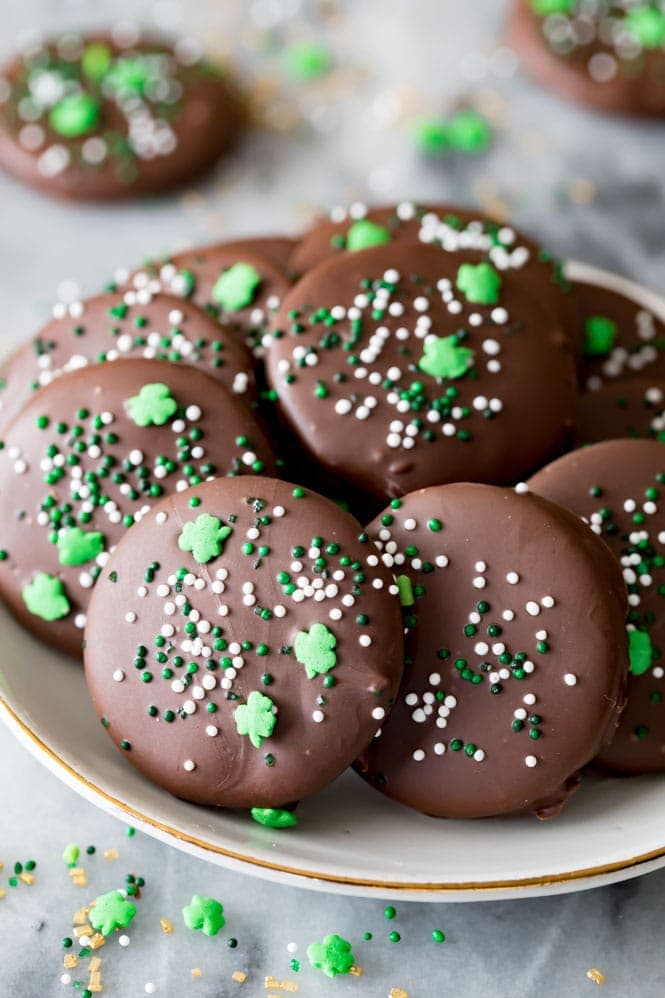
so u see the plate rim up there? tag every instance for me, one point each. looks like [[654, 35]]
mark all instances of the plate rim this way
[[420, 890]]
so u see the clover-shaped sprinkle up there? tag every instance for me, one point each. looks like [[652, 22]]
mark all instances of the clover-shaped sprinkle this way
[[479, 283], [647, 25], [204, 537], [640, 652], [153, 406], [256, 718], [235, 288], [74, 115], [599, 335], [274, 817], [111, 911], [204, 915], [444, 358], [363, 234], [333, 956], [45, 597], [76, 546], [314, 650]]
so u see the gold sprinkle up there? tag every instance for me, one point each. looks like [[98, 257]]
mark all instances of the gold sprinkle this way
[[166, 925], [239, 975], [2, 893], [95, 978], [97, 940], [356, 971], [83, 930], [27, 878], [398, 993], [94, 987], [196, 972], [70, 961], [110, 854], [271, 982], [2, 865], [94, 965], [81, 916], [595, 975]]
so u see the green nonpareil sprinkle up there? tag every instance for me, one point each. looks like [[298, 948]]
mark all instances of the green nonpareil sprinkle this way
[[307, 60]]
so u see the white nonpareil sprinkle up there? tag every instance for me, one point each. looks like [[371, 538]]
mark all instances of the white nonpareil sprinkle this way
[[530, 761], [570, 679]]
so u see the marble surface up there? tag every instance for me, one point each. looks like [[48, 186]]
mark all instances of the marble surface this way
[[591, 187]]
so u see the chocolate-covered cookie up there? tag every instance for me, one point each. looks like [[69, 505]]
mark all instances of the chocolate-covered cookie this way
[[260, 656], [619, 487], [238, 286], [627, 407], [451, 228], [515, 652], [87, 457], [276, 249], [134, 324], [108, 116], [620, 338], [609, 54], [401, 366]]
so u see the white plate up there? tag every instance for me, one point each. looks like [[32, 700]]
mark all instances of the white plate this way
[[350, 839]]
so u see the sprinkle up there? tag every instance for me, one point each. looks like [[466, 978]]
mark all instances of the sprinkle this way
[[530, 761], [239, 976], [570, 679], [595, 975]]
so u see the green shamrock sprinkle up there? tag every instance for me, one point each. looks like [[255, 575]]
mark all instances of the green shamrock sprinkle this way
[[111, 911], [129, 75], [274, 817], [467, 131], [333, 956], [543, 8], [95, 61], [76, 546], [235, 288], [45, 597], [307, 60], [479, 282], [70, 854], [640, 652], [443, 358], [314, 650], [153, 406], [74, 115], [255, 718], [405, 590], [363, 234], [647, 24], [599, 335], [204, 537], [204, 914]]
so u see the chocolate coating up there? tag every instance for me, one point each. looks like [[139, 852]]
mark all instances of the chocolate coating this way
[[627, 407], [106, 328], [515, 652], [111, 116], [589, 56], [629, 341], [618, 486], [75, 458], [276, 249], [352, 349], [293, 606], [194, 274], [453, 229]]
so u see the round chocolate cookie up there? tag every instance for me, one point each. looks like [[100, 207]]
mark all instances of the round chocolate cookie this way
[[400, 367], [515, 652], [276, 249], [627, 407], [240, 287], [260, 656], [619, 487], [453, 229], [112, 115], [620, 337], [134, 324], [608, 53], [87, 457]]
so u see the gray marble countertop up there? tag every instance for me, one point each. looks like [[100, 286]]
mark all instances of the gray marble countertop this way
[[591, 187]]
